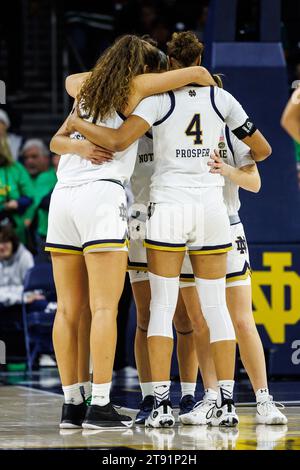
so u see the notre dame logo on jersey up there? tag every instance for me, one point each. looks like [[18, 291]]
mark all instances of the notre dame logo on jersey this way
[[192, 93], [241, 245], [151, 209], [123, 211]]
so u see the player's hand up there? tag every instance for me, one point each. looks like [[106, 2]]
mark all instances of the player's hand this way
[[71, 122], [11, 205], [93, 153], [217, 165]]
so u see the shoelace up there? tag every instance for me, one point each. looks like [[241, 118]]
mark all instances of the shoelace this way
[[270, 404], [88, 401], [202, 403]]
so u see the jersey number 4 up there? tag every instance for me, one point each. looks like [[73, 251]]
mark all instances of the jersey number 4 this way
[[194, 129]]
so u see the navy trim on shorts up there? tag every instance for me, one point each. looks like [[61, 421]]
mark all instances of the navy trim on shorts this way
[[172, 98], [186, 276], [63, 247], [112, 181], [227, 134], [246, 268], [210, 248], [137, 265], [171, 245], [212, 99], [99, 242]]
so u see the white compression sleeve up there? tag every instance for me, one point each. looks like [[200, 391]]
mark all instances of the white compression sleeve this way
[[164, 295], [212, 297]]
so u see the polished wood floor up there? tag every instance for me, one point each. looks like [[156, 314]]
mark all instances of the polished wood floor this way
[[29, 420]]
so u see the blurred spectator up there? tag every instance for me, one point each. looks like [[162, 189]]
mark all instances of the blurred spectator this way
[[15, 260], [16, 191], [161, 34], [37, 161], [201, 22], [12, 141]]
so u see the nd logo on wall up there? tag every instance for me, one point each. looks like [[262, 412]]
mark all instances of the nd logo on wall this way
[[276, 294]]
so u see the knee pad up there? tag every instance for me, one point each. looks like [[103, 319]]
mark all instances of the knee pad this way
[[212, 297], [164, 295]]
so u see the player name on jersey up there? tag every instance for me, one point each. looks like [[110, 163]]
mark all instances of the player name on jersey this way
[[146, 157], [193, 153]]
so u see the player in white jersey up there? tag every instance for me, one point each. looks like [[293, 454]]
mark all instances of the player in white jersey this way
[[181, 186], [137, 265], [88, 216], [234, 162]]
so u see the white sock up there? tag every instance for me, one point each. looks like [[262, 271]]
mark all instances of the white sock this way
[[147, 389], [72, 394], [225, 391], [210, 394], [100, 394], [262, 394], [188, 388], [161, 391], [87, 389]]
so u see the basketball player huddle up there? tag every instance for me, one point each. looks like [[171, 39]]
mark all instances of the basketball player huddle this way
[[166, 127]]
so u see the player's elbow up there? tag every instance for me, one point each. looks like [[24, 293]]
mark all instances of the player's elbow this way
[[284, 121], [256, 186], [70, 85], [262, 153], [52, 145]]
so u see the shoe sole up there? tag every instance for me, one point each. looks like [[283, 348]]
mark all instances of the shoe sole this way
[[225, 423], [124, 425], [69, 426], [168, 423], [187, 422], [275, 421]]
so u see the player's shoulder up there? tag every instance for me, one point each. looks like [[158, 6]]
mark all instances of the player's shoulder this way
[[222, 94]]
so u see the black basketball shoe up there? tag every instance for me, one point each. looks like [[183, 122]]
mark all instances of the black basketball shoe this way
[[72, 415], [105, 417]]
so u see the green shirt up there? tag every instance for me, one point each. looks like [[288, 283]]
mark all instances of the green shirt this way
[[14, 183], [297, 148], [43, 184]]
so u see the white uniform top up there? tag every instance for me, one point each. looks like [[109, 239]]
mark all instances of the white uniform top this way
[[232, 150], [237, 154], [143, 170], [187, 125], [74, 170]]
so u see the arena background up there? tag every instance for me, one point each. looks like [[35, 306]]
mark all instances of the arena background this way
[[256, 45]]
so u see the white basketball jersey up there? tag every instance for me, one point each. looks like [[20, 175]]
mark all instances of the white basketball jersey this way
[[74, 170], [232, 150], [187, 125], [143, 170], [237, 154]]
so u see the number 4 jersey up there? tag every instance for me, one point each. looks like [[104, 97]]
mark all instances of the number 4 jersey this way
[[187, 125]]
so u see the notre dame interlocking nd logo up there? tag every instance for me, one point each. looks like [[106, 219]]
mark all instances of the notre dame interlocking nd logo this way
[[275, 313]]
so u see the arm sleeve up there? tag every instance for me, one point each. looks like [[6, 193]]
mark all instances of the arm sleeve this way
[[241, 152], [153, 108]]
